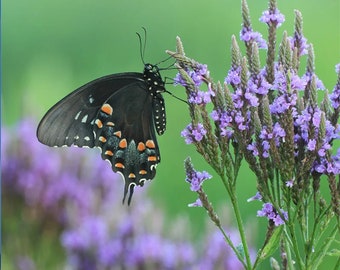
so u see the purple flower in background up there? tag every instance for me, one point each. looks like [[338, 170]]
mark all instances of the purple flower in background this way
[[81, 194], [193, 134], [276, 18]]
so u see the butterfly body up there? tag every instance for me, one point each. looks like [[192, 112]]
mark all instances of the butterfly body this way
[[118, 113]]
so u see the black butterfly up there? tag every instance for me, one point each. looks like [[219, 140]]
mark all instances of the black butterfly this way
[[117, 113]]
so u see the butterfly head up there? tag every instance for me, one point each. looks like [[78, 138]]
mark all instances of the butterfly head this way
[[153, 79]]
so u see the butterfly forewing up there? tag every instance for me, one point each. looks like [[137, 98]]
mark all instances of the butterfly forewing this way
[[70, 121]]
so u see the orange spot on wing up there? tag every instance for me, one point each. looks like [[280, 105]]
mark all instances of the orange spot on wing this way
[[123, 143], [143, 172], [99, 123], [102, 139], [119, 165], [132, 175], [106, 108], [108, 153], [110, 124], [150, 144], [141, 147], [118, 134], [152, 158]]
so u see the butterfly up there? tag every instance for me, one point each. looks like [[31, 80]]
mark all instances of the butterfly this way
[[118, 113]]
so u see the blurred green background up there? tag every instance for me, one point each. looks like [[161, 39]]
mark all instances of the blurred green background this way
[[50, 48]]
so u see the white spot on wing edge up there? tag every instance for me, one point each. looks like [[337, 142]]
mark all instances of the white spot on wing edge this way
[[84, 119], [91, 99], [77, 116]]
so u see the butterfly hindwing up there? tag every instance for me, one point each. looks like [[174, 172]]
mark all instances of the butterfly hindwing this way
[[125, 132]]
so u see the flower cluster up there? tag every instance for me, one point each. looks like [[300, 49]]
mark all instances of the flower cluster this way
[[272, 117], [76, 191], [196, 179], [196, 75], [193, 134]]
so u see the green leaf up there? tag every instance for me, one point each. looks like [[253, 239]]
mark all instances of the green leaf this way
[[334, 252], [271, 243]]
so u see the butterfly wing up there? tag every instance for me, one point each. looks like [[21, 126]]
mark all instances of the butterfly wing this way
[[70, 121], [114, 113], [125, 132]]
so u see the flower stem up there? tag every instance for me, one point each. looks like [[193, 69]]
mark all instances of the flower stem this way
[[232, 193]]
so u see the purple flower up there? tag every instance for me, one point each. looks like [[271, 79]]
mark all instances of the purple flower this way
[[252, 99], [224, 120], [234, 76], [201, 97], [196, 179], [278, 220], [337, 68], [193, 134], [256, 197], [278, 133], [92, 233], [308, 78], [217, 256], [249, 35], [25, 263], [335, 95], [196, 75], [258, 85], [197, 203], [282, 103], [300, 42], [269, 211], [311, 145], [290, 183], [276, 18], [296, 83], [252, 147]]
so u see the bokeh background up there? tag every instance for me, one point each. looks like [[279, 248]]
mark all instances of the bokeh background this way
[[50, 48]]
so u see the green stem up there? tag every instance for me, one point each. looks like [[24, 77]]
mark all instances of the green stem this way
[[319, 256], [232, 194], [231, 244], [293, 241]]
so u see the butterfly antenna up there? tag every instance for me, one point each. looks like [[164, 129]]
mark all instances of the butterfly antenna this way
[[142, 46], [166, 59]]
